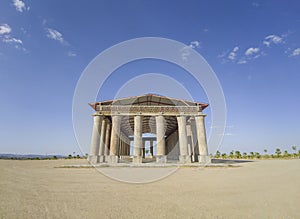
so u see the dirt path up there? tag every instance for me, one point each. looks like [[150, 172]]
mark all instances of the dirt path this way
[[263, 189]]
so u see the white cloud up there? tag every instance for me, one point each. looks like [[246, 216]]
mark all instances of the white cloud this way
[[20, 5], [185, 51], [9, 39], [55, 35], [251, 51], [194, 44], [242, 61], [4, 29], [232, 54], [272, 39], [72, 54], [296, 52]]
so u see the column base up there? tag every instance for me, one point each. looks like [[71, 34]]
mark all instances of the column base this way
[[204, 159], [185, 159], [161, 159], [194, 158], [101, 159], [137, 159], [112, 159], [93, 159]]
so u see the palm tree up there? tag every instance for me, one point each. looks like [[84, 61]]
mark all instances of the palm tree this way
[[224, 155], [294, 148], [218, 154], [238, 154], [286, 153], [257, 155], [265, 150], [251, 154], [278, 152], [231, 154], [244, 155]]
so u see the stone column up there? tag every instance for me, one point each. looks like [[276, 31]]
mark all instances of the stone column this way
[[189, 139], [127, 149], [102, 141], [115, 139], [201, 136], [160, 140], [138, 140], [195, 148], [94, 149], [144, 149], [107, 140], [151, 148], [120, 147], [183, 144]]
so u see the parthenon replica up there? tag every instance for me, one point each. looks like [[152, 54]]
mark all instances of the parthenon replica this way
[[178, 125]]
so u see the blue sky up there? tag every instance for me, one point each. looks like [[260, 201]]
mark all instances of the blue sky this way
[[253, 47]]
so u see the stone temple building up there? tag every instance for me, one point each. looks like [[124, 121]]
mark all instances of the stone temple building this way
[[175, 130]]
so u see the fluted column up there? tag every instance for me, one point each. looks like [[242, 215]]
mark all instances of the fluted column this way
[[107, 140], [151, 148], [201, 137], [195, 148], [94, 148], [189, 139], [183, 144], [144, 149], [115, 139], [138, 140], [160, 140], [102, 141]]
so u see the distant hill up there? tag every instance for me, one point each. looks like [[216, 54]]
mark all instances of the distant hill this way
[[29, 156]]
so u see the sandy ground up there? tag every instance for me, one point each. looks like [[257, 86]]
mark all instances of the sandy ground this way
[[262, 189]]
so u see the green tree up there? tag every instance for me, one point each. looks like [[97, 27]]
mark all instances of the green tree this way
[[286, 153], [252, 154], [70, 156], [294, 148], [245, 155], [257, 155], [278, 152], [224, 155], [238, 154], [265, 150], [231, 154], [218, 154]]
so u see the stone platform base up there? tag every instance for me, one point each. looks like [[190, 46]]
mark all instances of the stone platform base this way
[[204, 159], [185, 159], [101, 159], [112, 159], [137, 159], [161, 159], [93, 159]]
